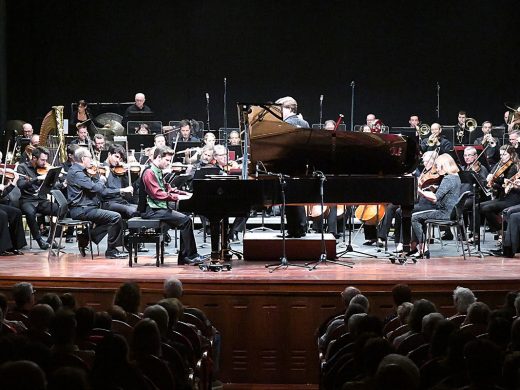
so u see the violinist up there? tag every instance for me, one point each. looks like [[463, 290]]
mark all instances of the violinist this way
[[83, 193], [191, 158], [489, 142], [442, 201], [481, 173], [31, 202], [118, 188], [436, 141], [12, 234], [506, 168]]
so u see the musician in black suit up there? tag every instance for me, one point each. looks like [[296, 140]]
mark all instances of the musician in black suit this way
[[489, 142], [461, 133], [436, 141], [506, 169], [296, 216], [83, 137], [137, 107], [31, 201], [186, 131], [81, 114], [12, 234]]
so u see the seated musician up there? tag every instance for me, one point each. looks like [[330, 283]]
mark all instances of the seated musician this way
[[511, 236], [31, 202], [329, 125], [193, 155], [99, 145], [514, 138], [427, 178], [443, 200], [296, 215], [473, 165], [234, 138], [27, 130], [83, 192], [137, 107], [143, 129], [159, 141], [83, 137], [489, 142], [27, 153], [436, 141], [81, 114], [186, 132], [461, 133], [506, 168], [154, 196], [12, 234], [414, 121], [117, 185]]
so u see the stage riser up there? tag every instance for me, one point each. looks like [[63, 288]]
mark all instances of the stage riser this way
[[268, 330], [268, 246]]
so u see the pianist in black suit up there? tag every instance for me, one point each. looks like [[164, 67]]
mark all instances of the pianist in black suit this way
[[436, 141], [296, 216]]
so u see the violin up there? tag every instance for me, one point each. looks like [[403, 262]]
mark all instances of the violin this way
[[96, 171], [430, 180], [499, 171], [119, 170]]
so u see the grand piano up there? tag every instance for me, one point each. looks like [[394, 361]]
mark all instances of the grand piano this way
[[359, 168]]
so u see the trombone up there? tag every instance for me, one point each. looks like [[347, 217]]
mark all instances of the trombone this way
[[470, 124]]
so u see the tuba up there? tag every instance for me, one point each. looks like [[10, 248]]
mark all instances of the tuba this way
[[52, 135]]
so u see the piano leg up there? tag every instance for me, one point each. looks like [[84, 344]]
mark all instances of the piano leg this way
[[406, 226]]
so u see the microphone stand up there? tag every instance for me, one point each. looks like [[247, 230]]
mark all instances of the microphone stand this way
[[283, 260], [207, 110], [321, 110], [323, 255], [352, 86], [438, 108]]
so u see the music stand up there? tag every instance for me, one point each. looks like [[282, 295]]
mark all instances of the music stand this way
[[44, 190], [449, 133], [471, 177], [341, 127], [407, 131]]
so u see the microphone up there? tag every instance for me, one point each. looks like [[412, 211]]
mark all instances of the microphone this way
[[321, 98], [207, 97], [438, 86], [257, 167], [352, 83]]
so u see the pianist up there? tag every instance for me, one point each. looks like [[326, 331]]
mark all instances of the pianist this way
[[154, 195], [296, 216]]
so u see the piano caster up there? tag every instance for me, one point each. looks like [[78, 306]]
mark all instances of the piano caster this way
[[215, 267], [402, 259]]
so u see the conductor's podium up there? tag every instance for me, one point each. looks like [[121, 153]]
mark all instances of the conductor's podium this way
[[267, 246]]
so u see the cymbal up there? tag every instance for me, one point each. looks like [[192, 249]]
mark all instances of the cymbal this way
[[105, 118], [115, 128], [15, 126], [107, 132]]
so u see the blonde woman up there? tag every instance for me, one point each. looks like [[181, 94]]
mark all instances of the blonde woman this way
[[443, 202]]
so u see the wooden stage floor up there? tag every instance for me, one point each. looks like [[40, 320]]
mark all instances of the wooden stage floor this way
[[267, 320]]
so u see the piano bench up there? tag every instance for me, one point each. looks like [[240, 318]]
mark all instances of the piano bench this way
[[143, 231]]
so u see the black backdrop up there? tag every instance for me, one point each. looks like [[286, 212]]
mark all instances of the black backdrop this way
[[175, 51]]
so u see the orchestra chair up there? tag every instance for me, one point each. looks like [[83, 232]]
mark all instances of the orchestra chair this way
[[146, 230], [65, 222], [457, 222]]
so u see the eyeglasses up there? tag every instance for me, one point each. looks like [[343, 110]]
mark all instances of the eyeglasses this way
[[469, 155]]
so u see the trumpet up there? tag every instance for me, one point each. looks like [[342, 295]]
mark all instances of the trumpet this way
[[433, 140], [489, 140], [423, 130]]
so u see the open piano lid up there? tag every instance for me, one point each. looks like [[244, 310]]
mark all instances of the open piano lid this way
[[294, 151]]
